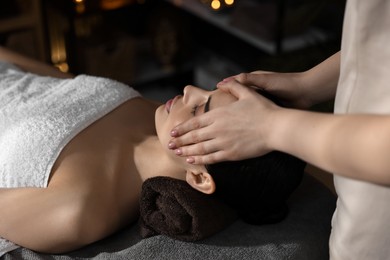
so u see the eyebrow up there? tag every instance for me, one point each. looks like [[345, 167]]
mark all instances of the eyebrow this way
[[207, 105]]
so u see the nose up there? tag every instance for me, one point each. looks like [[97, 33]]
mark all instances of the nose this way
[[192, 94]]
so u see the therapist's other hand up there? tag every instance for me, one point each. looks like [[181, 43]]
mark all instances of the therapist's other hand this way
[[289, 88], [233, 132]]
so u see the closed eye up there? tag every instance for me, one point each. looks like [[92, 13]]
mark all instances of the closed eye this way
[[206, 107], [193, 111]]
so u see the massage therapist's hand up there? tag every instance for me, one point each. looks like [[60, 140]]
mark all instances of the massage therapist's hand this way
[[232, 132], [301, 89], [289, 88]]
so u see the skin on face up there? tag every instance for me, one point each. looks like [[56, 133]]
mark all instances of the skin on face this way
[[193, 102]]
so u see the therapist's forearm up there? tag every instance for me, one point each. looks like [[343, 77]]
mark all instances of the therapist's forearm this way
[[355, 146], [321, 81]]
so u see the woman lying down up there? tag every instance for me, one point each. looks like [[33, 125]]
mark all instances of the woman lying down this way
[[75, 153]]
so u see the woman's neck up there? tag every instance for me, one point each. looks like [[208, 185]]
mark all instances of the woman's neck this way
[[151, 160]]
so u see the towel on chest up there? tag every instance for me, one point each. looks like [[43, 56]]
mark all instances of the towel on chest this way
[[40, 115]]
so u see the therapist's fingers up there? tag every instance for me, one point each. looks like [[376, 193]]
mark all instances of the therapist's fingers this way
[[258, 79], [210, 151], [210, 158], [206, 159], [189, 138], [235, 88], [204, 147], [192, 124]]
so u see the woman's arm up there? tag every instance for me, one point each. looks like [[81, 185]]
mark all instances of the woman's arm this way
[[320, 83], [355, 146], [298, 90], [31, 65]]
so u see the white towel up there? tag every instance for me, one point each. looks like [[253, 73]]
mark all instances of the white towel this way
[[40, 115]]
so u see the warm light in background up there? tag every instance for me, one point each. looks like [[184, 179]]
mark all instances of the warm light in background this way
[[80, 6], [114, 4], [63, 67], [215, 4]]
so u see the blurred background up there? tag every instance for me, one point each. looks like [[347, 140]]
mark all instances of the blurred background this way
[[159, 46]]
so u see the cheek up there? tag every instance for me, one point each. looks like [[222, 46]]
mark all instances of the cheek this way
[[161, 118], [164, 123]]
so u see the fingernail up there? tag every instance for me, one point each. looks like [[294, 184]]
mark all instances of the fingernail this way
[[190, 160], [178, 152], [174, 133], [171, 145]]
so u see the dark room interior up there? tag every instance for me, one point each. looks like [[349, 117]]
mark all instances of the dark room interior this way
[[158, 47]]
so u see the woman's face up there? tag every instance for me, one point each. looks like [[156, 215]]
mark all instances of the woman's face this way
[[194, 102]]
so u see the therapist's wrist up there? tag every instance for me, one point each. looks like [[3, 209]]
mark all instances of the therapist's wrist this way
[[278, 132], [268, 127]]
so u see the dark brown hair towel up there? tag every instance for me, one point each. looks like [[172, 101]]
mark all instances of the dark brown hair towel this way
[[171, 207]]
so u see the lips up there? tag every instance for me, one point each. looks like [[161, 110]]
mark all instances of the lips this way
[[170, 103]]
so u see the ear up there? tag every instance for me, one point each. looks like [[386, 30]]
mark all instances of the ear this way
[[201, 181]]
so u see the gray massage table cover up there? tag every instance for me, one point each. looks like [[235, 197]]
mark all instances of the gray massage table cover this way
[[304, 234]]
